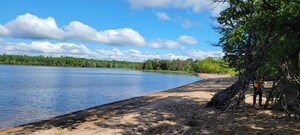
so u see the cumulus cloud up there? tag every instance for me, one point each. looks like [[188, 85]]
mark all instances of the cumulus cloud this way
[[170, 44], [75, 50], [194, 5], [162, 15], [29, 26], [199, 54], [217, 8], [135, 55], [171, 56], [186, 23], [79, 50], [125, 36], [3, 30], [187, 39], [46, 48], [127, 55]]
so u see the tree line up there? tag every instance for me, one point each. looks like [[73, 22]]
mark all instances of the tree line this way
[[64, 61], [207, 65]]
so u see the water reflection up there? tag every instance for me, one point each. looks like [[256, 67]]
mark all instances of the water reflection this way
[[31, 93]]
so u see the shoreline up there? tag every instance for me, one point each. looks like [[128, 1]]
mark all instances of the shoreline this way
[[98, 106], [175, 111], [206, 76]]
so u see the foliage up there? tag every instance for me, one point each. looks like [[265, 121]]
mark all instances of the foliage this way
[[252, 28], [64, 61], [207, 65], [210, 65], [261, 37]]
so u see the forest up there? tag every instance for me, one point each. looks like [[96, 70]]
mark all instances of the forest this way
[[63, 61], [207, 65]]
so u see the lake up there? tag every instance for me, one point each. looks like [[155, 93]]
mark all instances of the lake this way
[[32, 93]]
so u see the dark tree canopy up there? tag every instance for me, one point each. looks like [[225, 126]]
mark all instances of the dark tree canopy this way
[[261, 37]]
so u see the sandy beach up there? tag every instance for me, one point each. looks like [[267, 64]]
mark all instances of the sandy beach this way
[[174, 111]]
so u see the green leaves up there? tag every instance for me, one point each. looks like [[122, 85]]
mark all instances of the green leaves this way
[[64, 61], [250, 30], [207, 65], [212, 65]]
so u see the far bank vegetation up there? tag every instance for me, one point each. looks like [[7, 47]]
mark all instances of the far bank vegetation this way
[[207, 65]]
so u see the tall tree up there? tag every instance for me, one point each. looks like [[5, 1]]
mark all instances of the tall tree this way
[[255, 34]]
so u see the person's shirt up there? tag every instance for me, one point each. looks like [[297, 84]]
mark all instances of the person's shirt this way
[[256, 84]]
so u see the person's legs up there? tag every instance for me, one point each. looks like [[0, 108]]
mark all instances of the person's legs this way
[[254, 96], [260, 97]]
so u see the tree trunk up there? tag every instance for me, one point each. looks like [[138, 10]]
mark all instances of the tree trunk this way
[[235, 94], [295, 62], [290, 85]]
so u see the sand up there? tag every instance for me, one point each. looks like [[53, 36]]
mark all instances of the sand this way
[[175, 111]]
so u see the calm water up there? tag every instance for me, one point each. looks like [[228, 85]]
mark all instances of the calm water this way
[[31, 93]]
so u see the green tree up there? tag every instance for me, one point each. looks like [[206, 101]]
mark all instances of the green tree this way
[[63, 61], [260, 37]]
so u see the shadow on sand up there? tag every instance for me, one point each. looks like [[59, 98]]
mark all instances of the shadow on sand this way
[[170, 115]]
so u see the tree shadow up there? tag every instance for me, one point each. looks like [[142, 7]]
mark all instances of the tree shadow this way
[[72, 120], [165, 115], [208, 85], [175, 113], [180, 115]]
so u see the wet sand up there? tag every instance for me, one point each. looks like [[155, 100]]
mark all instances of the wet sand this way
[[175, 111]]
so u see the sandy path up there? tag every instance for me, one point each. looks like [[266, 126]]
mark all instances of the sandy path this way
[[175, 111]]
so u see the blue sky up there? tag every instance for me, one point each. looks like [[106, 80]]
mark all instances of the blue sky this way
[[133, 30]]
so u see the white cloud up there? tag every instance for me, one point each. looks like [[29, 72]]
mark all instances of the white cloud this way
[[126, 55], [162, 15], [199, 54], [125, 36], [171, 56], [82, 51], [80, 31], [170, 44], [217, 8], [46, 48], [188, 23], [74, 50], [135, 55], [3, 30], [194, 5], [187, 39], [32, 27]]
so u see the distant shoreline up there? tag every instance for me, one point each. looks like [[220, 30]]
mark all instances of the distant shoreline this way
[[177, 66], [206, 76], [169, 72], [201, 75]]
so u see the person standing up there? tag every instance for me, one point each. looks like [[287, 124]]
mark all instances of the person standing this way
[[258, 86]]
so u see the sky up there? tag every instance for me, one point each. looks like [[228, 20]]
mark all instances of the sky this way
[[130, 30]]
